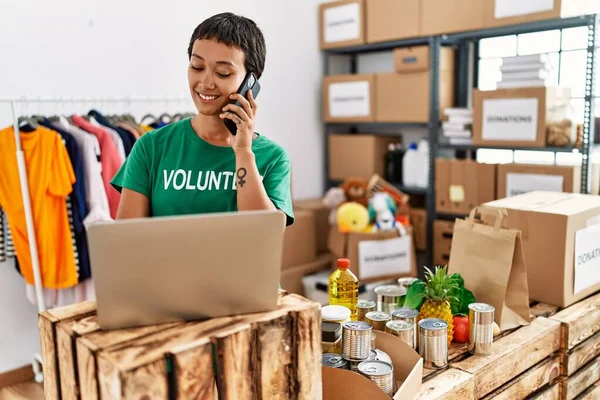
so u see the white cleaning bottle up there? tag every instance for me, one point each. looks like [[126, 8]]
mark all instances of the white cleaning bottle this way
[[423, 164], [410, 166]]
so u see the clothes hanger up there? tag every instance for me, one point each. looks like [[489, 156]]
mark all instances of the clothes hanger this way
[[27, 124], [147, 116], [164, 116]]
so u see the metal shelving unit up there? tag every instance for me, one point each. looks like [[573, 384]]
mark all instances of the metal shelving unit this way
[[465, 41]]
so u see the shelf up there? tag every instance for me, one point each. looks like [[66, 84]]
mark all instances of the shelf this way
[[538, 26], [446, 146], [383, 46], [397, 125], [449, 216], [410, 189]]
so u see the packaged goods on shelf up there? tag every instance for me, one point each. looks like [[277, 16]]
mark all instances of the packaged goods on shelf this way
[[349, 98], [512, 12], [450, 16], [342, 23], [525, 71], [560, 234], [358, 155], [462, 185], [458, 128], [523, 117], [392, 20], [404, 96]]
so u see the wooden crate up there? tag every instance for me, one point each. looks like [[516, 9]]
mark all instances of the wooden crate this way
[[274, 355]]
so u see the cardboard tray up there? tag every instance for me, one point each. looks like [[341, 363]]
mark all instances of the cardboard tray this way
[[341, 384]]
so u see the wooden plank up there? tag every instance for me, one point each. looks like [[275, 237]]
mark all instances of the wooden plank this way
[[274, 358], [583, 353], [46, 323], [579, 321], [542, 375], [193, 370], [307, 339], [592, 393], [578, 383], [234, 363], [451, 384], [543, 310], [456, 352], [69, 385], [87, 372], [512, 355], [552, 393], [77, 310]]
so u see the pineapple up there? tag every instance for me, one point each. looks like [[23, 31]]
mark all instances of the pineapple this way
[[437, 295]]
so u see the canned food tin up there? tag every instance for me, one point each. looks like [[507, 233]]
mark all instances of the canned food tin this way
[[377, 319], [373, 340], [481, 328], [408, 315], [433, 343], [383, 356], [380, 372], [406, 282], [353, 364], [402, 329], [334, 361], [363, 307], [356, 340], [388, 297]]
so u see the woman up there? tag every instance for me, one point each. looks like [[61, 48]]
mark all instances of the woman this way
[[196, 165]]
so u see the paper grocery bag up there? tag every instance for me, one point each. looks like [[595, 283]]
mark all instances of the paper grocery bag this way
[[490, 258]]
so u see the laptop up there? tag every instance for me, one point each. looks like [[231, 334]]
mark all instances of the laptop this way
[[164, 269]]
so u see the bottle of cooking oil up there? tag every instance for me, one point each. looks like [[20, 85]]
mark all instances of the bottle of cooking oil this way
[[343, 287]]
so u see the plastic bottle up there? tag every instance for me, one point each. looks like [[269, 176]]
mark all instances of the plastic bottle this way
[[410, 165], [422, 174], [343, 287]]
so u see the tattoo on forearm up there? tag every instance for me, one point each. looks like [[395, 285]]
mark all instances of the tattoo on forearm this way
[[241, 174]]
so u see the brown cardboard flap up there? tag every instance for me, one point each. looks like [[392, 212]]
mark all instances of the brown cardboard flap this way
[[337, 242], [408, 370], [450, 16]]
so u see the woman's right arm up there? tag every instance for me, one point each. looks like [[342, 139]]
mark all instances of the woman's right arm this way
[[133, 205]]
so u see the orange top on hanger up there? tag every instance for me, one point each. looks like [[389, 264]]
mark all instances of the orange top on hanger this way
[[51, 177]]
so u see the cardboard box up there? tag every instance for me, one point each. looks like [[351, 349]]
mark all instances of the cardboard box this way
[[291, 278], [418, 217], [358, 156], [375, 256], [515, 117], [349, 98], [462, 185], [339, 384], [321, 220], [560, 234], [513, 12], [450, 16], [515, 179], [443, 231], [412, 59], [404, 97], [342, 23], [299, 242], [442, 185], [392, 20]]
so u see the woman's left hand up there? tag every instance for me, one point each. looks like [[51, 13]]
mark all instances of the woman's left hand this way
[[244, 118]]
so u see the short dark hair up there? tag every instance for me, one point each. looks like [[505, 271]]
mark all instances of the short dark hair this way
[[234, 30]]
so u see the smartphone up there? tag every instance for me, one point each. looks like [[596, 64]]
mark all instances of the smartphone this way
[[250, 83]]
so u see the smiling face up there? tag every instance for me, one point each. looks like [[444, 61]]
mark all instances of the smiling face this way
[[215, 71]]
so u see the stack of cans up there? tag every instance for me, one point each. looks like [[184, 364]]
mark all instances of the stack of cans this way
[[356, 340], [408, 315], [378, 319], [403, 330], [388, 297], [364, 307]]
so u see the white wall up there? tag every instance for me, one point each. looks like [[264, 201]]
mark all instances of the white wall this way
[[132, 48]]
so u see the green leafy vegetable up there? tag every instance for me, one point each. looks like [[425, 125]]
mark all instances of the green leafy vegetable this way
[[462, 296], [415, 295]]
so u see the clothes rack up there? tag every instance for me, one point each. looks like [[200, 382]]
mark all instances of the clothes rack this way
[[33, 249]]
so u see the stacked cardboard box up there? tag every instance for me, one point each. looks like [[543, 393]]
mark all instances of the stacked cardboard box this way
[[462, 185]]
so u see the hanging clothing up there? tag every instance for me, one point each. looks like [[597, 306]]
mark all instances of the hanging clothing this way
[[126, 137], [113, 135], [111, 161], [2, 242], [97, 201], [9, 248], [51, 178]]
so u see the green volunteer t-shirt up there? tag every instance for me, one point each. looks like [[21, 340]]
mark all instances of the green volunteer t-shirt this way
[[183, 174]]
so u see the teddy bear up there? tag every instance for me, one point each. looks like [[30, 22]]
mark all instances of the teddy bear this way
[[355, 190], [332, 200]]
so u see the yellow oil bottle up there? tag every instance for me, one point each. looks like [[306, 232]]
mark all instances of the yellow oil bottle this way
[[343, 287]]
